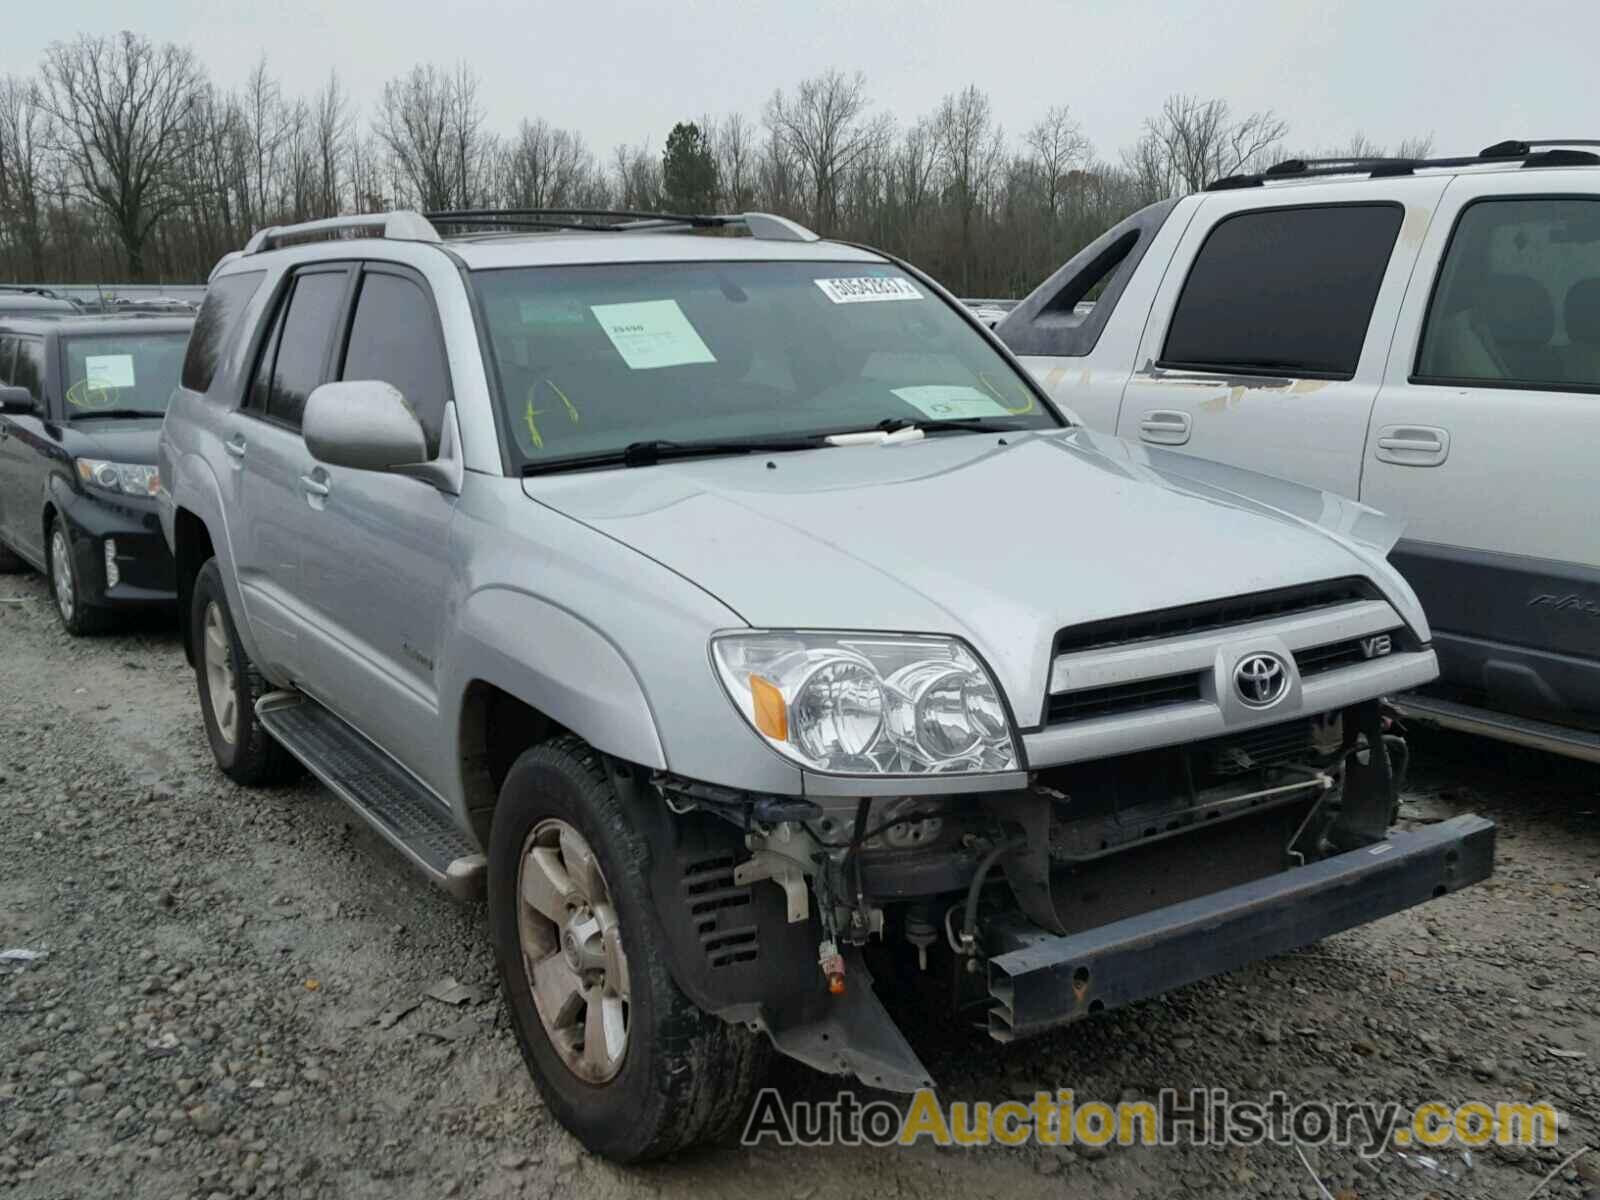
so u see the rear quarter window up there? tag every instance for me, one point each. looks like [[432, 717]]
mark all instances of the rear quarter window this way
[[225, 302], [1284, 291]]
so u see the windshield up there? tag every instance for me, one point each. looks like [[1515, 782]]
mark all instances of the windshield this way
[[591, 359], [132, 372]]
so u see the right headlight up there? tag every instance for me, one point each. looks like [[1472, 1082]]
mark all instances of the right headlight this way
[[868, 704]]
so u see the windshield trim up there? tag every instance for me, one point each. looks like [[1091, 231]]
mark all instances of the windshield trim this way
[[514, 461]]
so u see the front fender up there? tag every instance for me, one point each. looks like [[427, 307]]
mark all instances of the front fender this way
[[572, 673]]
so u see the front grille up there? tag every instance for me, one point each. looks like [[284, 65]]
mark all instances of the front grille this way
[[1139, 696], [1317, 659], [1213, 614], [1273, 746]]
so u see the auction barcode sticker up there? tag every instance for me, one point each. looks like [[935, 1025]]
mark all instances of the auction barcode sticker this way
[[858, 291]]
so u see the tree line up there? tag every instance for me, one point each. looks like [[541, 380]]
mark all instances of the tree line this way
[[121, 159]]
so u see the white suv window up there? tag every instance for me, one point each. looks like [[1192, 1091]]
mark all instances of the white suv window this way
[[1518, 298]]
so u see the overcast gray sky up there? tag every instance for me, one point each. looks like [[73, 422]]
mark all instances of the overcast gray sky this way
[[1469, 71]]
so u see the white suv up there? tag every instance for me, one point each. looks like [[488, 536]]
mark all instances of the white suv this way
[[1421, 334]]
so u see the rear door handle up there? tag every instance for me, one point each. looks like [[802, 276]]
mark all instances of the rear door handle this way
[[1413, 445], [235, 445], [1166, 427], [314, 486]]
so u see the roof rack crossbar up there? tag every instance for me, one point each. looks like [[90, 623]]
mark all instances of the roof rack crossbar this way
[[1550, 153]]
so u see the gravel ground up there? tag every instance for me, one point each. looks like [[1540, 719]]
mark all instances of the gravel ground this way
[[234, 999]]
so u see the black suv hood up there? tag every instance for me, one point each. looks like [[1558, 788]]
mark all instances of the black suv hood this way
[[123, 440]]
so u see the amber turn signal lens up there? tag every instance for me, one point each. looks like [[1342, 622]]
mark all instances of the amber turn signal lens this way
[[772, 714]]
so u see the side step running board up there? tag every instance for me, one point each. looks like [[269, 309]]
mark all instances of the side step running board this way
[[1522, 731], [394, 802]]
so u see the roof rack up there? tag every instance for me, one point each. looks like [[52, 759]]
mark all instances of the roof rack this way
[[424, 227], [1553, 152]]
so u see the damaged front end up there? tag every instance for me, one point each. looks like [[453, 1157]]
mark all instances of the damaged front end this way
[[1098, 884]]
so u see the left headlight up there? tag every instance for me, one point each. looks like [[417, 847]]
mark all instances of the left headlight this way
[[133, 479], [868, 704]]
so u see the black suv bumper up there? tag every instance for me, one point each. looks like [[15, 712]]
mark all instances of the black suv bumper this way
[[1037, 980], [145, 571]]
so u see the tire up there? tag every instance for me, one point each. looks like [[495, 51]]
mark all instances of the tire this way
[[77, 618], [681, 1076], [241, 745]]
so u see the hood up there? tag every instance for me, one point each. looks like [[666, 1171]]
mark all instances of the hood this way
[[1002, 543], [123, 440]]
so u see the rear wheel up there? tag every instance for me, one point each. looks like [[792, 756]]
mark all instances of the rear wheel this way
[[621, 1056], [77, 618], [229, 687]]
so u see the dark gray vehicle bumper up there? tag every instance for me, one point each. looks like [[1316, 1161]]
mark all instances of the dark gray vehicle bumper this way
[[1037, 980]]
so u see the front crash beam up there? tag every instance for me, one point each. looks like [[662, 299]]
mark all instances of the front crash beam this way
[[1037, 980]]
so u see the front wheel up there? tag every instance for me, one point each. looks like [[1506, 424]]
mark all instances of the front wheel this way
[[77, 618], [229, 687], [621, 1056]]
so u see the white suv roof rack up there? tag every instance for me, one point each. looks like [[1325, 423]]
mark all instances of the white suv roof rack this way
[[404, 226]]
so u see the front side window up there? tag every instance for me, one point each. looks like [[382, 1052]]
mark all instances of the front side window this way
[[1284, 291], [591, 359], [294, 359], [125, 373], [394, 337], [1518, 298]]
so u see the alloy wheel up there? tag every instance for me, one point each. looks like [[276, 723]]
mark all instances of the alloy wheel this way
[[219, 673], [572, 951]]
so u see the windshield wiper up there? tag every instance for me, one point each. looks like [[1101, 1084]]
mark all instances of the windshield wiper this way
[[974, 424], [649, 453], [115, 414]]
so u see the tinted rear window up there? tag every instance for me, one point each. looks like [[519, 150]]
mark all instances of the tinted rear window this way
[[225, 302], [1286, 290]]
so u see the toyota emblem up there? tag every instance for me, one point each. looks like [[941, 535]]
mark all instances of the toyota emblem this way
[[1261, 680]]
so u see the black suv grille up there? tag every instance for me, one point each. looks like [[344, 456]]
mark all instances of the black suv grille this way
[[1213, 614]]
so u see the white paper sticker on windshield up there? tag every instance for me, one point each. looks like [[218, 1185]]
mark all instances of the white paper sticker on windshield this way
[[651, 333], [951, 402], [858, 291], [108, 371]]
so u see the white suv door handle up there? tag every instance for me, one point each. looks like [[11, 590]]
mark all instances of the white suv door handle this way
[[1165, 427], [1413, 445], [314, 486], [234, 446]]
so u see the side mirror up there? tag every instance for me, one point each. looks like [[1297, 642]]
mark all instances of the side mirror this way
[[17, 400], [363, 424]]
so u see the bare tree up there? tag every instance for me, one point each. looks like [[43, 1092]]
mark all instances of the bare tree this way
[[1058, 146], [1201, 141], [824, 126], [22, 154], [122, 109], [732, 142], [546, 167], [972, 148], [331, 129], [431, 121]]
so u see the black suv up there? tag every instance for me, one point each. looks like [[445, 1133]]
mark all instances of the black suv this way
[[81, 403]]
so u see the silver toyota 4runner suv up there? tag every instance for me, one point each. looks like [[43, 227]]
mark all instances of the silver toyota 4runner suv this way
[[738, 613]]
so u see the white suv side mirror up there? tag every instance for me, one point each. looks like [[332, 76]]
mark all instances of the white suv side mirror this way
[[364, 424]]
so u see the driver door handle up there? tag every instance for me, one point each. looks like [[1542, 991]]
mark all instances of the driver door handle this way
[[314, 486], [1412, 445], [1165, 427], [235, 445]]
